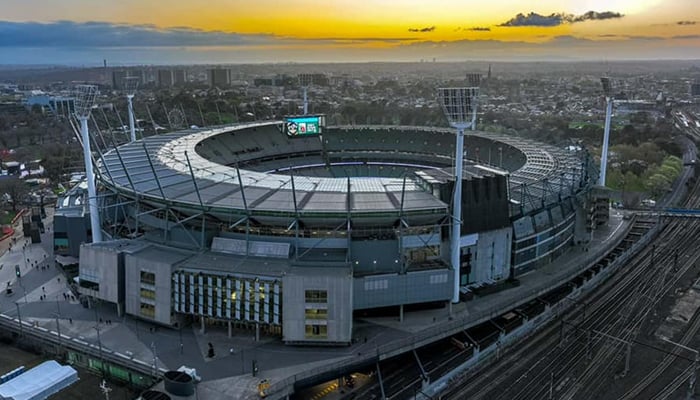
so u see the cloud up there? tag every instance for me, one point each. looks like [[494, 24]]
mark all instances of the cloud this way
[[479, 29], [686, 22], [534, 19], [555, 19], [103, 34], [686, 37], [423, 30], [596, 16]]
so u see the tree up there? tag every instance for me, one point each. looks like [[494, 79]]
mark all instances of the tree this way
[[15, 188]]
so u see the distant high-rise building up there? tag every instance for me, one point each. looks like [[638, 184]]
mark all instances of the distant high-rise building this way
[[695, 89], [473, 79], [118, 77], [179, 77], [489, 74], [219, 77], [165, 78]]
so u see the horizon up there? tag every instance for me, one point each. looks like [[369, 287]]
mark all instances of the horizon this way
[[138, 32]]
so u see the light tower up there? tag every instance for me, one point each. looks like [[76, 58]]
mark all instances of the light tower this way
[[607, 90], [84, 100], [459, 106], [304, 81], [131, 84]]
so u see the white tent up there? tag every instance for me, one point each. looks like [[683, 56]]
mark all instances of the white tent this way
[[39, 382]]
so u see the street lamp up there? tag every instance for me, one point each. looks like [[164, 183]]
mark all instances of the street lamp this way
[[58, 328], [99, 345], [19, 318], [459, 106]]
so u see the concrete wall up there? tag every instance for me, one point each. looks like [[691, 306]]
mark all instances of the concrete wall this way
[[105, 266], [338, 284], [375, 256], [134, 264], [395, 289], [491, 261]]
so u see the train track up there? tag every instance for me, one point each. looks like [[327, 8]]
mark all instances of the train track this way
[[542, 369]]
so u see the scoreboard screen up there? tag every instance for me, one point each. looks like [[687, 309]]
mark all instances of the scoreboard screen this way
[[308, 125]]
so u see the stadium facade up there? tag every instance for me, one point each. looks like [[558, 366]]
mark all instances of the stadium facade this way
[[247, 227]]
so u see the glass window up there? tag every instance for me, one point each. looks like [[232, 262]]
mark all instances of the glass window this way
[[148, 277], [316, 296], [316, 331], [148, 310], [316, 313]]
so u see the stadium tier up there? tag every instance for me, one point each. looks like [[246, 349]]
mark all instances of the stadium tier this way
[[246, 226]]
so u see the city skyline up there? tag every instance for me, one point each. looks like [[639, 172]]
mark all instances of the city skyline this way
[[81, 32]]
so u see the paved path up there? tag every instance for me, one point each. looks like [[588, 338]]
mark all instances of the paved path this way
[[228, 374]]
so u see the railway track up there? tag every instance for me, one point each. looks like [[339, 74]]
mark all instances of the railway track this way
[[542, 368]]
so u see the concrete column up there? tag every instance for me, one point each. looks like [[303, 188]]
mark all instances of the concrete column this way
[[401, 313], [201, 322], [257, 332], [230, 330]]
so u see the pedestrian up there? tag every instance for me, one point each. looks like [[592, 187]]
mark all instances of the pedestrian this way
[[70, 320], [43, 289], [59, 280]]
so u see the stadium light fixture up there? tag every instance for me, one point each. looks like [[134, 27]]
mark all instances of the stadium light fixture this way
[[131, 84], [607, 90], [459, 106], [84, 100]]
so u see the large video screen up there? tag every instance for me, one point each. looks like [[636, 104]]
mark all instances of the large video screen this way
[[308, 125]]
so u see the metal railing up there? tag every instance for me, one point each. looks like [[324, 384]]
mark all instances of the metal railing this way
[[96, 351]]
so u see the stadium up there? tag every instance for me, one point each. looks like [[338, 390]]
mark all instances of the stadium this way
[[251, 227]]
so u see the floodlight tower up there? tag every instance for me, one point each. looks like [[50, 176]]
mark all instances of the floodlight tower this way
[[84, 100], [304, 82], [459, 106], [131, 84], [607, 90]]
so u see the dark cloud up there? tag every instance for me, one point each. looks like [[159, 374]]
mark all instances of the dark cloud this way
[[479, 29], [534, 19], [686, 37], [102, 34], [423, 30], [595, 16], [555, 19], [686, 22]]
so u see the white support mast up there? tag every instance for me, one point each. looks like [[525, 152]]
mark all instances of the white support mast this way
[[459, 106], [84, 100]]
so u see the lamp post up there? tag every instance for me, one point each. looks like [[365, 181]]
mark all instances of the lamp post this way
[[99, 345], [459, 106], [19, 319], [58, 328]]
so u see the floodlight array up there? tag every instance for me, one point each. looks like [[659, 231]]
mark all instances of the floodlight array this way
[[84, 100], [459, 104]]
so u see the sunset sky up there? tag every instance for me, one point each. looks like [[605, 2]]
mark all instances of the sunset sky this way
[[182, 31]]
